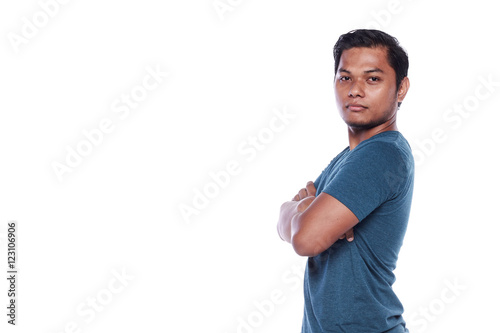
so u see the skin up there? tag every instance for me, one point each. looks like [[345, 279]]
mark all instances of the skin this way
[[367, 100]]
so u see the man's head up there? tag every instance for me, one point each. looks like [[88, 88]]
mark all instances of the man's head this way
[[396, 55], [370, 77]]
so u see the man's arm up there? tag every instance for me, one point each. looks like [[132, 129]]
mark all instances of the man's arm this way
[[312, 224]]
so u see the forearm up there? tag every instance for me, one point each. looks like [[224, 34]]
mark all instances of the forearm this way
[[313, 227], [287, 212], [292, 210]]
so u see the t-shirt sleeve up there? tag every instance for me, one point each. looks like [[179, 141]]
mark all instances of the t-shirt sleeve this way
[[371, 175]]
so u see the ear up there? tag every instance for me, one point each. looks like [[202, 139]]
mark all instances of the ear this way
[[403, 89]]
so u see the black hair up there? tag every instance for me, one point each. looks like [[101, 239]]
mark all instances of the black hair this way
[[397, 56]]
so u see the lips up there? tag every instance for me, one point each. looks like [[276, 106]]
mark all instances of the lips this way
[[356, 107]]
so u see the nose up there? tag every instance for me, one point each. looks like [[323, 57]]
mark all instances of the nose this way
[[356, 89]]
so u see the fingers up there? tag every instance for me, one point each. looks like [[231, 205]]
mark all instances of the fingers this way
[[308, 191], [349, 235], [304, 204], [303, 193], [311, 190]]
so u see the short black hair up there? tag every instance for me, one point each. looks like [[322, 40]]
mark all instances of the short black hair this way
[[397, 56]]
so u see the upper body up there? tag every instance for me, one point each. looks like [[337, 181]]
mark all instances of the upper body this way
[[348, 287], [353, 200]]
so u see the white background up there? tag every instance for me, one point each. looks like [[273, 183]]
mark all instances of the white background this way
[[118, 210]]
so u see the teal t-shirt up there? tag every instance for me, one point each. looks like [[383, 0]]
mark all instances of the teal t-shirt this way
[[348, 287]]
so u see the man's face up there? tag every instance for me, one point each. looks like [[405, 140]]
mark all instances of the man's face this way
[[365, 87]]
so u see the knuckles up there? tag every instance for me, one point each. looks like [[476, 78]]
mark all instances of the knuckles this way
[[304, 203]]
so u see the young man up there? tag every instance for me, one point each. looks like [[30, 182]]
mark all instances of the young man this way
[[352, 220]]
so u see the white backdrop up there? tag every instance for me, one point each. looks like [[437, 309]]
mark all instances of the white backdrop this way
[[147, 147]]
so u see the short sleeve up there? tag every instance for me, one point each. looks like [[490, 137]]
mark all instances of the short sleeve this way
[[372, 174]]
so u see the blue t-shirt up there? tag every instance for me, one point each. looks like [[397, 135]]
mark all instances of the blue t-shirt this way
[[348, 287]]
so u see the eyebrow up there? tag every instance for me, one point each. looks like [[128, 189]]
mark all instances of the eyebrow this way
[[374, 70]]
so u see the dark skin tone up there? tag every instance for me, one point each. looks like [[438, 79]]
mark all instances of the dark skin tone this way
[[365, 89], [367, 99]]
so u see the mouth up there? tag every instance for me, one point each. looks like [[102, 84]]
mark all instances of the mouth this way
[[356, 107]]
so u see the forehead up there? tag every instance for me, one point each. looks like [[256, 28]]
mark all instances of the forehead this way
[[363, 58]]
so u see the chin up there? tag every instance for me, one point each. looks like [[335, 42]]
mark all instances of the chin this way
[[361, 121], [362, 124]]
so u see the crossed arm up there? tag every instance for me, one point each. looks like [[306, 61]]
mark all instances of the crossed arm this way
[[312, 224]]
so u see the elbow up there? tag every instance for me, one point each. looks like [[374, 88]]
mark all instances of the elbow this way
[[310, 245], [305, 247], [307, 241], [303, 242]]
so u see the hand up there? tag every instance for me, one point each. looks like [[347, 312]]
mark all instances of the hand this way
[[298, 204], [349, 235], [308, 191], [306, 197]]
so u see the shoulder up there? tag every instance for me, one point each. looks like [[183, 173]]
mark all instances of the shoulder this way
[[388, 148], [388, 157]]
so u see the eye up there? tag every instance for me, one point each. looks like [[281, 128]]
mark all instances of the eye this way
[[374, 79], [344, 78]]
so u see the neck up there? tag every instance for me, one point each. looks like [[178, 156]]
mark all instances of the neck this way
[[357, 135]]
